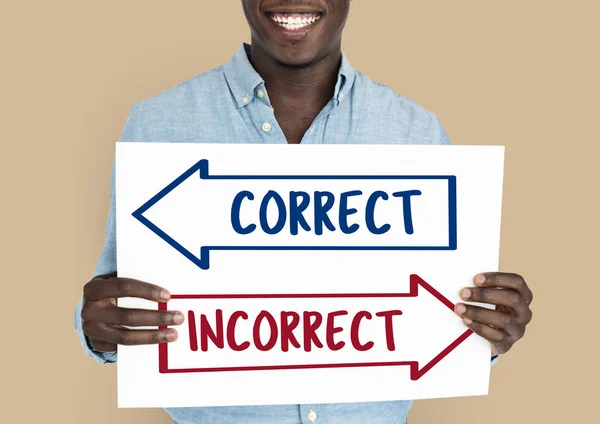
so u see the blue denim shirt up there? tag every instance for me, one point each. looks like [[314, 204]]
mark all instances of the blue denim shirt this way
[[230, 104]]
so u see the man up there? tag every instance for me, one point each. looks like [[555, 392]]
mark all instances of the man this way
[[292, 85]]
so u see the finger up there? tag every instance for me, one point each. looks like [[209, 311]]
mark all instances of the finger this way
[[123, 336], [508, 298], [130, 317], [496, 337], [500, 320], [505, 280], [98, 289], [100, 346]]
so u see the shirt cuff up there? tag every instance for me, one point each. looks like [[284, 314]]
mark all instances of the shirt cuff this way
[[100, 357]]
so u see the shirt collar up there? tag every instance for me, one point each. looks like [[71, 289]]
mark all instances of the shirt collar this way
[[345, 80], [241, 76], [243, 79]]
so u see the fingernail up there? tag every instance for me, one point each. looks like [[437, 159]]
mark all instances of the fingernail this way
[[460, 309], [165, 295], [178, 318], [465, 293], [479, 279], [467, 321], [171, 335]]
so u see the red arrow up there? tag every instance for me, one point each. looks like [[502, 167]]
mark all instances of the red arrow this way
[[416, 371]]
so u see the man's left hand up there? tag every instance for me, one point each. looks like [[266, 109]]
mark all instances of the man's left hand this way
[[505, 325]]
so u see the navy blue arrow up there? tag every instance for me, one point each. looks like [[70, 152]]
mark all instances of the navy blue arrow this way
[[201, 167]]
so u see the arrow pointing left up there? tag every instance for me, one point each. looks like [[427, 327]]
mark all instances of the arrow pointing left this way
[[199, 212]]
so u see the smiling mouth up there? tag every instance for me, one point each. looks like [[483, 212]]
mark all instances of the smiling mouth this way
[[295, 21]]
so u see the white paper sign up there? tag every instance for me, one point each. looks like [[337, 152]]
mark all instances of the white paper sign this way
[[307, 274]]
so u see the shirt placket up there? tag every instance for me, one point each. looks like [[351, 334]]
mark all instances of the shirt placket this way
[[316, 132], [312, 414], [262, 117], [313, 135]]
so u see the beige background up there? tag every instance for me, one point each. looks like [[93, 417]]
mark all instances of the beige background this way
[[523, 73]]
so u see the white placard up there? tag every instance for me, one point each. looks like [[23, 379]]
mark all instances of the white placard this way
[[307, 274]]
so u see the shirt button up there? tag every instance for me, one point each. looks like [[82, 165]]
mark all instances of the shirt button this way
[[245, 100], [260, 94], [341, 96], [312, 416], [266, 127]]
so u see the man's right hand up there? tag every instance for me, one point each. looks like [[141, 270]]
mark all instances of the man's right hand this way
[[105, 324]]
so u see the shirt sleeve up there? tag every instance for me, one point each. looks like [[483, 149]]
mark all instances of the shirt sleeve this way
[[107, 263], [438, 135]]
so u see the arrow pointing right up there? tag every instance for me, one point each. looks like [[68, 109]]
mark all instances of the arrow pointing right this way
[[208, 303]]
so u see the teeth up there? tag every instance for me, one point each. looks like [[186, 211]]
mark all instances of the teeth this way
[[294, 22]]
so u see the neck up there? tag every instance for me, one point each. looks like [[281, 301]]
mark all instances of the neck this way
[[312, 84]]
